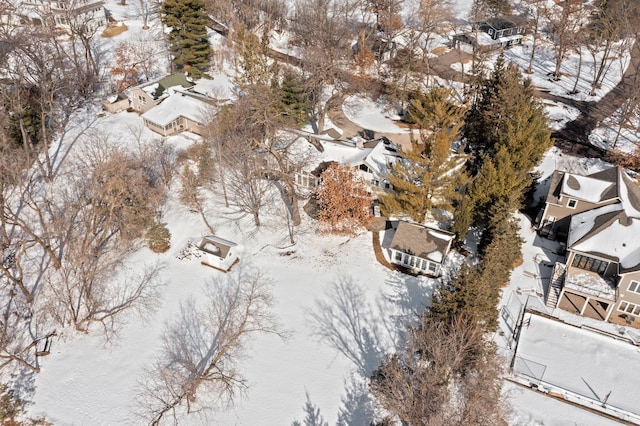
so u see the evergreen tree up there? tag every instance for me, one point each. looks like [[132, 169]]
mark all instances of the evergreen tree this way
[[255, 68], [188, 40], [295, 102], [428, 176], [473, 294], [508, 132]]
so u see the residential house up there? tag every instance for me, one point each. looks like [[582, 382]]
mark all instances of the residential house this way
[[598, 218], [494, 33], [145, 96], [65, 14], [371, 159], [374, 165], [219, 253], [419, 248], [179, 112]]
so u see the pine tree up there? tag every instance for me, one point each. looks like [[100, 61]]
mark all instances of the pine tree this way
[[428, 177], [508, 132], [295, 102], [188, 40], [473, 295]]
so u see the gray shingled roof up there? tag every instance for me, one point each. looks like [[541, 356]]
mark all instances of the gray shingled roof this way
[[421, 241]]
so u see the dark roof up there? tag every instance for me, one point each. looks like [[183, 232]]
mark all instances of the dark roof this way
[[177, 79], [504, 22], [555, 187], [421, 241]]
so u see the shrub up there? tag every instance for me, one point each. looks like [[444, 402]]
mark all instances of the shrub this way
[[158, 238]]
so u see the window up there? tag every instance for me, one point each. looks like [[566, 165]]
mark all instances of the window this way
[[490, 32], [634, 287], [387, 185], [629, 308], [572, 203], [433, 267], [375, 182], [398, 256], [364, 168], [590, 264], [423, 266]]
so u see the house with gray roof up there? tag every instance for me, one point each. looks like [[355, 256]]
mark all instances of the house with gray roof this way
[[147, 95], [419, 248], [597, 216]]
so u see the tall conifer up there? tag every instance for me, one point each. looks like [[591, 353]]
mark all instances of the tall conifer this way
[[188, 40], [427, 177]]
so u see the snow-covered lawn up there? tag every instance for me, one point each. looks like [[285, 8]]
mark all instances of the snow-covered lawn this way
[[88, 381], [369, 115]]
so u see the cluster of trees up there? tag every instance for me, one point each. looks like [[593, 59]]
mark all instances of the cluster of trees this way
[[447, 372]]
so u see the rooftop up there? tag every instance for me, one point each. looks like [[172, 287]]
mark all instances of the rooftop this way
[[421, 241]]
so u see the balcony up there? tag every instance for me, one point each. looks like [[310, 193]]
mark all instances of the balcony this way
[[590, 284]]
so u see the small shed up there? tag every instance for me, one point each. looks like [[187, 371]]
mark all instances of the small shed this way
[[420, 248], [219, 253]]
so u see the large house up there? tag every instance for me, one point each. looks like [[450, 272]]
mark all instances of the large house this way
[[371, 159], [494, 33], [179, 112], [419, 248], [147, 95], [597, 217], [65, 14]]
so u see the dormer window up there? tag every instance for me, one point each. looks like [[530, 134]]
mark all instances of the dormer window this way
[[634, 287], [572, 203]]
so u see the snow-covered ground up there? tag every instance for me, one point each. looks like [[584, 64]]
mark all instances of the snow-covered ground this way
[[369, 115], [86, 380]]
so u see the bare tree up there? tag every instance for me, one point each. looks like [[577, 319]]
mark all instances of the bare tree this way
[[324, 29], [607, 33], [250, 190], [440, 376], [198, 365], [343, 200], [563, 19]]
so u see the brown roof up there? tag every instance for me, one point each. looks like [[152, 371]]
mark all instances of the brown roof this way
[[421, 241], [555, 186]]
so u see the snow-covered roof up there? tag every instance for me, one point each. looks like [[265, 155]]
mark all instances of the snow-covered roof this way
[[421, 241], [381, 156], [617, 239], [585, 187], [216, 246], [176, 105], [585, 222], [221, 87]]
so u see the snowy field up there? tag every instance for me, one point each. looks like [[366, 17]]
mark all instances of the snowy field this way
[[88, 381], [369, 115], [85, 381]]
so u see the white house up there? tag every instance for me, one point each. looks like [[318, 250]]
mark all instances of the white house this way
[[86, 14], [419, 248], [219, 253], [179, 112]]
